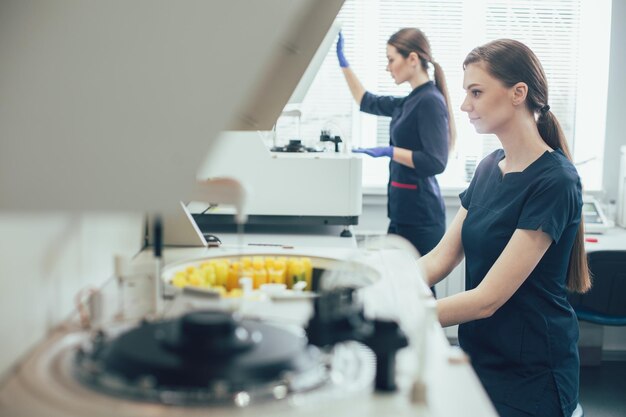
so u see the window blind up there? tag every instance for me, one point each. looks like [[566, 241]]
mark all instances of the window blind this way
[[551, 28]]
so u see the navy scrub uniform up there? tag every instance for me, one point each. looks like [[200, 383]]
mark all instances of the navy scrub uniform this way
[[419, 122], [526, 353]]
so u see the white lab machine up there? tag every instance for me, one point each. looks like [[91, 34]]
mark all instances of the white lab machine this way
[[290, 187], [595, 220], [313, 188]]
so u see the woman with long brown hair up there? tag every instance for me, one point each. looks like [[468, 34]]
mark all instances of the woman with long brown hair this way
[[421, 133], [521, 233]]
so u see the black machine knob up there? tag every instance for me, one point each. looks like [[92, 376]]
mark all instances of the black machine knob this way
[[295, 145], [203, 326], [386, 341], [325, 137], [209, 332], [338, 317]]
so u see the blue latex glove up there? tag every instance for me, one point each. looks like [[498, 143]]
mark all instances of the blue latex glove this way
[[343, 62], [376, 152]]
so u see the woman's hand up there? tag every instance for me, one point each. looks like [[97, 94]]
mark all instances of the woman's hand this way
[[376, 152], [343, 62], [356, 88]]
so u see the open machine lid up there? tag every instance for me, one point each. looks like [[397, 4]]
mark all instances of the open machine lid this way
[[292, 72], [113, 105]]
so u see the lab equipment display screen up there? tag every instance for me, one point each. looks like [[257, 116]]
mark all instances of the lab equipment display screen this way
[[591, 213]]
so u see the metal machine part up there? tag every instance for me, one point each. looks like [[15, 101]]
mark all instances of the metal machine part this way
[[294, 145], [325, 136], [214, 358], [48, 384], [183, 362], [202, 358], [339, 317]]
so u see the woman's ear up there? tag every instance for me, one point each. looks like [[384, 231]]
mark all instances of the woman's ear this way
[[519, 93], [414, 59]]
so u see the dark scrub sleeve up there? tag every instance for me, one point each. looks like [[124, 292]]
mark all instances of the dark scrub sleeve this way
[[379, 105], [432, 122], [552, 206], [466, 195]]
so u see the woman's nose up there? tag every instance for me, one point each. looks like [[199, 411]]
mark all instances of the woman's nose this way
[[465, 106]]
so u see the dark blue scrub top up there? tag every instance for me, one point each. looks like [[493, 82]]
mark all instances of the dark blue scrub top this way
[[533, 337], [419, 122]]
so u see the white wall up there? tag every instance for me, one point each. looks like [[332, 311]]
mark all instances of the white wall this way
[[45, 259], [615, 337], [616, 102]]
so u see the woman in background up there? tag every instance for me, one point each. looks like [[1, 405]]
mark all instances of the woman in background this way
[[521, 233], [421, 133]]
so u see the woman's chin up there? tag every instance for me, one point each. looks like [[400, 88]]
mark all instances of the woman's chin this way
[[480, 129]]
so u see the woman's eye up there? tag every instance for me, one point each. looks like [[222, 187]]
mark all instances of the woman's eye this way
[[476, 93]]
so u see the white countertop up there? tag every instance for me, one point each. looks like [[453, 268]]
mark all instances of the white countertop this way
[[613, 239], [284, 236]]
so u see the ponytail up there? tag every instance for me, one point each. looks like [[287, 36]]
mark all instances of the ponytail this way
[[578, 275], [551, 132], [442, 85]]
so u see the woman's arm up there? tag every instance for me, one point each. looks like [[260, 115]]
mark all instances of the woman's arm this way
[[519, 258], [403, 156], [356, 88], [448, 253]]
